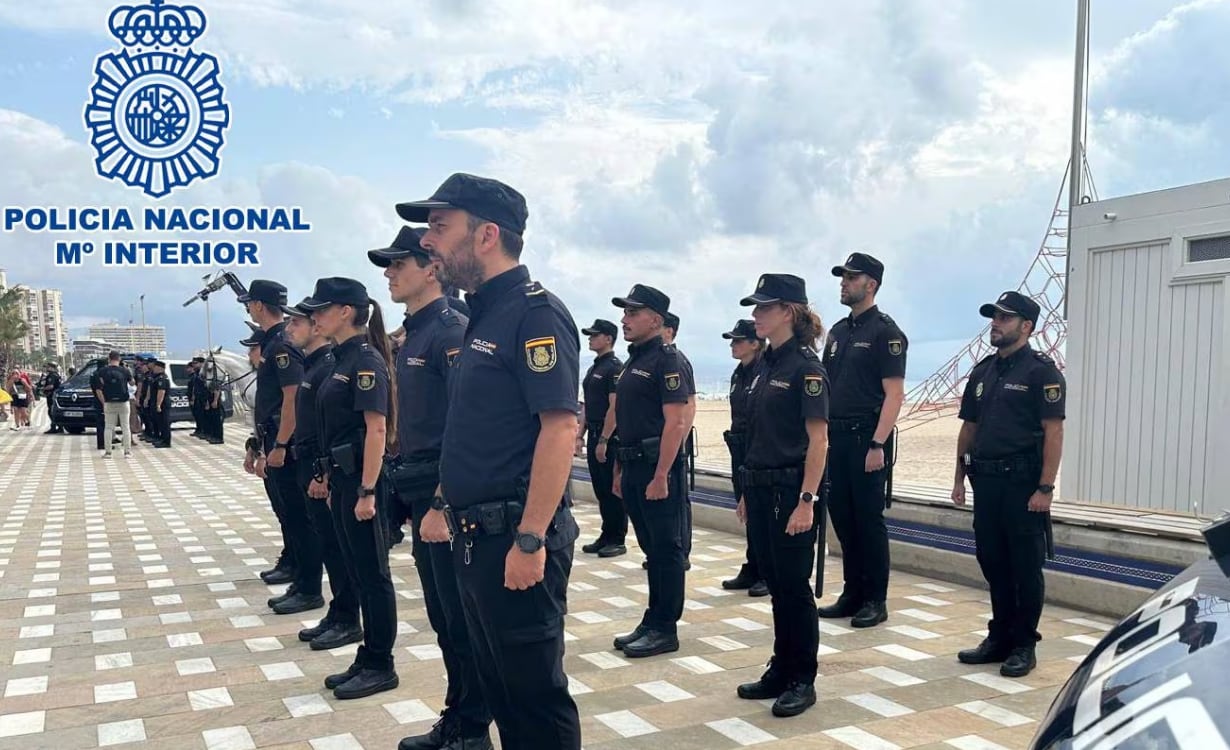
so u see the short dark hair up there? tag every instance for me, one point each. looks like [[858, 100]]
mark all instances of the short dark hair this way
[[113, 355], [512, 242]]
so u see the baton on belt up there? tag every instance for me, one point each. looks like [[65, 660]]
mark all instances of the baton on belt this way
[[821, 524]]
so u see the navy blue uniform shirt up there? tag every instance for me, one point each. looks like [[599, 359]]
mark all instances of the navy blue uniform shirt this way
[[521, 356], [162, 384], [861, 352], [740, 382], [281, 365], [789, 388], [1008, 397], [316, 367], [598, 386], [359, 382], [433, 341], [653, 376]]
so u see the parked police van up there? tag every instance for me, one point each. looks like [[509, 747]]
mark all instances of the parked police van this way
[[73, 406]]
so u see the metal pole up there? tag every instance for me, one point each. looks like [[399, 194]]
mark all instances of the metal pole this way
[[1076, 164], [143, 311]]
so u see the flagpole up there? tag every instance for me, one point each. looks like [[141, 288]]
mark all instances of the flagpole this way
[[1076, 164]]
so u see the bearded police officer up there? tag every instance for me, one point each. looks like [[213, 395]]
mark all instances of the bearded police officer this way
[[599, 390], [651, 404], [1010, 444], [865, 359], [745, 346], [506, 457], [423, 364]]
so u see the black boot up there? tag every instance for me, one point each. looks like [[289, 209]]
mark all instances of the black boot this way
[[593, 547], [624, 640], [283, 563], [872, 614], [291, 590], [442, 733], [652, 643], [367, 682], [740, 582], [990, 651], [298, 603], [1020, 662], [307, 635], [770, 685], [481, 742], [276, 577], [845, 606], [759, 588], [613, 550], [336, 637], [799, 697], [341, 678]]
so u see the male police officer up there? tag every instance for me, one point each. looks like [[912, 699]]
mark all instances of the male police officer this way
[[277, 380], [865, 358], [670, 330], [160, 404], [197, 396], [1010, 445], [47, 387], [599, 389], [651, 404], [506, 457], [434, 334]]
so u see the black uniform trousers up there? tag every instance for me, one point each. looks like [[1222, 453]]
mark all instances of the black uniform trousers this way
[[344, 607], [601, 476], [856, 505], [198, 415], [787, 563], [365, 548], [518, 641], [296, 526], [1011, 548], [442, 599], [738, 450], [659, 527], [213, 421], [163, 420]]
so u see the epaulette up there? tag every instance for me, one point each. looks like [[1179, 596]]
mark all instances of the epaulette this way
[[1044, 358], [885, 319], [808, 353], [536, 295], [450, 317], [984, 360], [670, 348]]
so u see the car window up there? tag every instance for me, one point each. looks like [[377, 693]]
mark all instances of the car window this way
[[82, 378], [179, 374]]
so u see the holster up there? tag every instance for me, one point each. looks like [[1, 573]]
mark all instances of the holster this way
[[345, 458], [735, 440], [645, 450], [415, 479]]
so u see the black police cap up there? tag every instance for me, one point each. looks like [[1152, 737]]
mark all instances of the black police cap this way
[[600, 326], [671, 321], [403, 246], [777, 287], [644, 296], [263, 290], [1012, 303], [198, 360], [483, 197], [861, 263], [336, 290], [744, 329], [298, 311], [256, 339]]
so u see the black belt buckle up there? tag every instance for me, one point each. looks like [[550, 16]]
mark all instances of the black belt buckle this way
[[461, 523], [492, 519]]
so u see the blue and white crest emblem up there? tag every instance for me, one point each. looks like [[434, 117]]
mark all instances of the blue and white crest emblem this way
[[156, 112]]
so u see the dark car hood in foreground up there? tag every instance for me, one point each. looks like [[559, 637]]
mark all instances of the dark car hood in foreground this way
[[1159, 679]]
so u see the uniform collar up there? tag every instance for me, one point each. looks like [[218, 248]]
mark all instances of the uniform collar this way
[[774, 355], [603, 357], [427, 312], [501, 283], [858, 320], [645, 346], [344, 348], [316, 355], [275, 331], [1012, 359]]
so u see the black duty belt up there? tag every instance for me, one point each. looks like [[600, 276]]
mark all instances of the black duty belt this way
[[642, 450], [787, 477], [853, 424], [493, 518], [307, 450], [735, 440], [1022, 465]]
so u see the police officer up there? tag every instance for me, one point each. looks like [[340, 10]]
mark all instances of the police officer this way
[[340, 625], [670, 330], [651, 404], [358, 421], [434, 333], [213, 411], [150, 433], [277, 380], [160, 405], [787, 443], [865, 358], [47, 387], [197, 396], [1010, 444], [598, 387], [745, 346], [513, 404]]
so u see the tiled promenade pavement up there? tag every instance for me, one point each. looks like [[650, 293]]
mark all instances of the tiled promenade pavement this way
[[130, 612]]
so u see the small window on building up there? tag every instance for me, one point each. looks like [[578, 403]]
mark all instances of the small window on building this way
[[1208, 248]]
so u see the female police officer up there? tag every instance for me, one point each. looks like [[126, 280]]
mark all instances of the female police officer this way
[[787, 440], [745, 346], [353, 405]]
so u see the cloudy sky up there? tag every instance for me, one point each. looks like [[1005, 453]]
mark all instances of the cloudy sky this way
[[690, 144]]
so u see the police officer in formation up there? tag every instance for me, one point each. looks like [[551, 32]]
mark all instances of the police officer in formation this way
[[746, 346], [340, 625], [158, 398], [506, 458], [781, 476], [651, 404], [598, 388], [196, 397], [357, 415], [278, 375], [433, 337], [1009, 447], [670, 330], [865, 358], [212, 410]]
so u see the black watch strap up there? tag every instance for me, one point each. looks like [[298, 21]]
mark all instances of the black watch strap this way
[[367, 491], [437, 503]]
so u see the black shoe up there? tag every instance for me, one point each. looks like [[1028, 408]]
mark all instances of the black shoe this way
[[613, 550], [162, 445], [443, 732], [652, 643], [845, 606], [397, 537], [739, 582], [1020, 662], [799, 697], [593, 547], [216, 441], [644, 565], [990, 651], [770, 685], [298, 603], [624, 640], [336, 637], [687, 564], [307, 635], [291, 590], [341, 678], [277, 577], [482, 742], [367, 682], [759, 588], [872, 614]]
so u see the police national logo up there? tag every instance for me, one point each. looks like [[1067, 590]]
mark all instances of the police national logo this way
[[156, 112], [366, 380], [450, 356], [540, 354], [978, 390], [282, 360], [813, 385], [1052, 392], [672, 381], [894, 347]]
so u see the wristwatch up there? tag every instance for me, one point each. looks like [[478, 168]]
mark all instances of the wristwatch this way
[[876, 445], [529, 543], [367, 491], [281, 445], [437, 503], [603, 440], [807, 497], [1046, 489]]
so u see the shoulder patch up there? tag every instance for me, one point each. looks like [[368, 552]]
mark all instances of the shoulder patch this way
[[365, 380], [540, 354], [813, 385], [672, 381], [282, 359], [978, 390], [1052, 392], [895, 347], [450, 355]]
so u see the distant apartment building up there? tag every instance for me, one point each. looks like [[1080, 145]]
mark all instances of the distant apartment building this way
[[131, 338], [43, 311], [86, 349]]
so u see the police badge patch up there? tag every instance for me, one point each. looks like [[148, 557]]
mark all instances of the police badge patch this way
[[978, 391], [832, 347], [282, 360], [894, 347], [672, 381], [450, 356], [366, 380], [540, 355], [813, 385], [1052, 392]]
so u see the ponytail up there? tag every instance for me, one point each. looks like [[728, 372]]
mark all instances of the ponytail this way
[[373, 320], [807, 327]]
